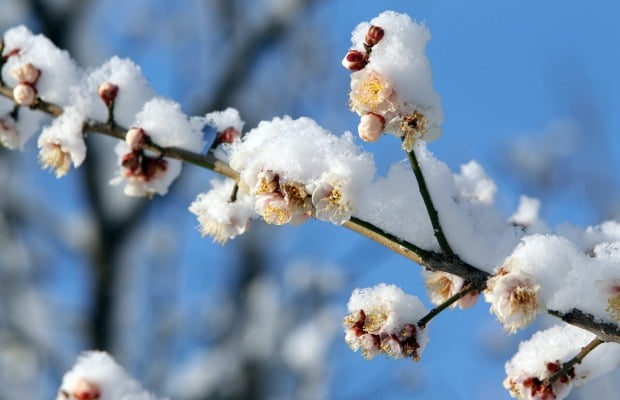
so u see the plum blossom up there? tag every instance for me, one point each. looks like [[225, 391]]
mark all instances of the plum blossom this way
[[222, 213], [611, 289], [383, 319], [62, 143], [442, 285], [391, 78], [280, 201], [96, 376], [513, 295]]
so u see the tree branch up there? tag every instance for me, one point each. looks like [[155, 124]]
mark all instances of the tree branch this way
[[428, 203], [430, 260]]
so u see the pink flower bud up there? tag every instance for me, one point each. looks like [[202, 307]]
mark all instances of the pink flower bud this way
[[370, 127], [24, 94], [108, 91], [374, 35], [228, 135], [26, 73], [355, 60], [135, 138], [84, 389]]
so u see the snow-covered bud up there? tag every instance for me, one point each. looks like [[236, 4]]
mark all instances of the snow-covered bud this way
[[513, 295], [355, 60], [442, 285], [24, 94], [228, 135], [135, 138], [374, 35], [611, 289], [370, 127], [84, 389], [9, 137], [26, 73], [383, 319], [107, 92], [54, 157]]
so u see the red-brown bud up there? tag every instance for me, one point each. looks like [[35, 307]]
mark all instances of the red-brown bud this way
[[108, 91], [86, 390], [228, 135], [355, 60], [132, 162], [374, 35]]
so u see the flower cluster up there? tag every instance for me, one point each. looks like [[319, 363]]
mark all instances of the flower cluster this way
[[529, 372], [391, 88], [96, 376], [383, 319], [513, 295]]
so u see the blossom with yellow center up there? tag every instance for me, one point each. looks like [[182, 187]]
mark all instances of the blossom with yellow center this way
[[371, 92], [513, 295], [53, 156]]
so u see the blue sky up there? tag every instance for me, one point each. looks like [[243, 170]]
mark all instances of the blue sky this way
[[504, 69]]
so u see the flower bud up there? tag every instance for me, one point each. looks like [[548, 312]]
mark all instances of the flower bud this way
[[370, 127], [132, 162], [228, 135], [355, 60], [135, 138], [26, 73], [374, 35], [84, 389], [108, 91], [24, 94]]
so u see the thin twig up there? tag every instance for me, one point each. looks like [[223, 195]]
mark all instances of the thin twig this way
[[566, 367], [428, 202], [435, 311]]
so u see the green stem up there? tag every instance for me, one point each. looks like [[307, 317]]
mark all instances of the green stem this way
[[428, 202], [435, 311]]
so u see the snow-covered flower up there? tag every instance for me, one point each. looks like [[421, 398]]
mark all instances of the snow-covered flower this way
[[279, 201], [370, 127], [544, 355], [331, 201], [62, 143], [9, 137], [222, 213], [392, 78], [513, 295], [441, 286], [371, 92], [611, 289], [96, 376], [383, 319]]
